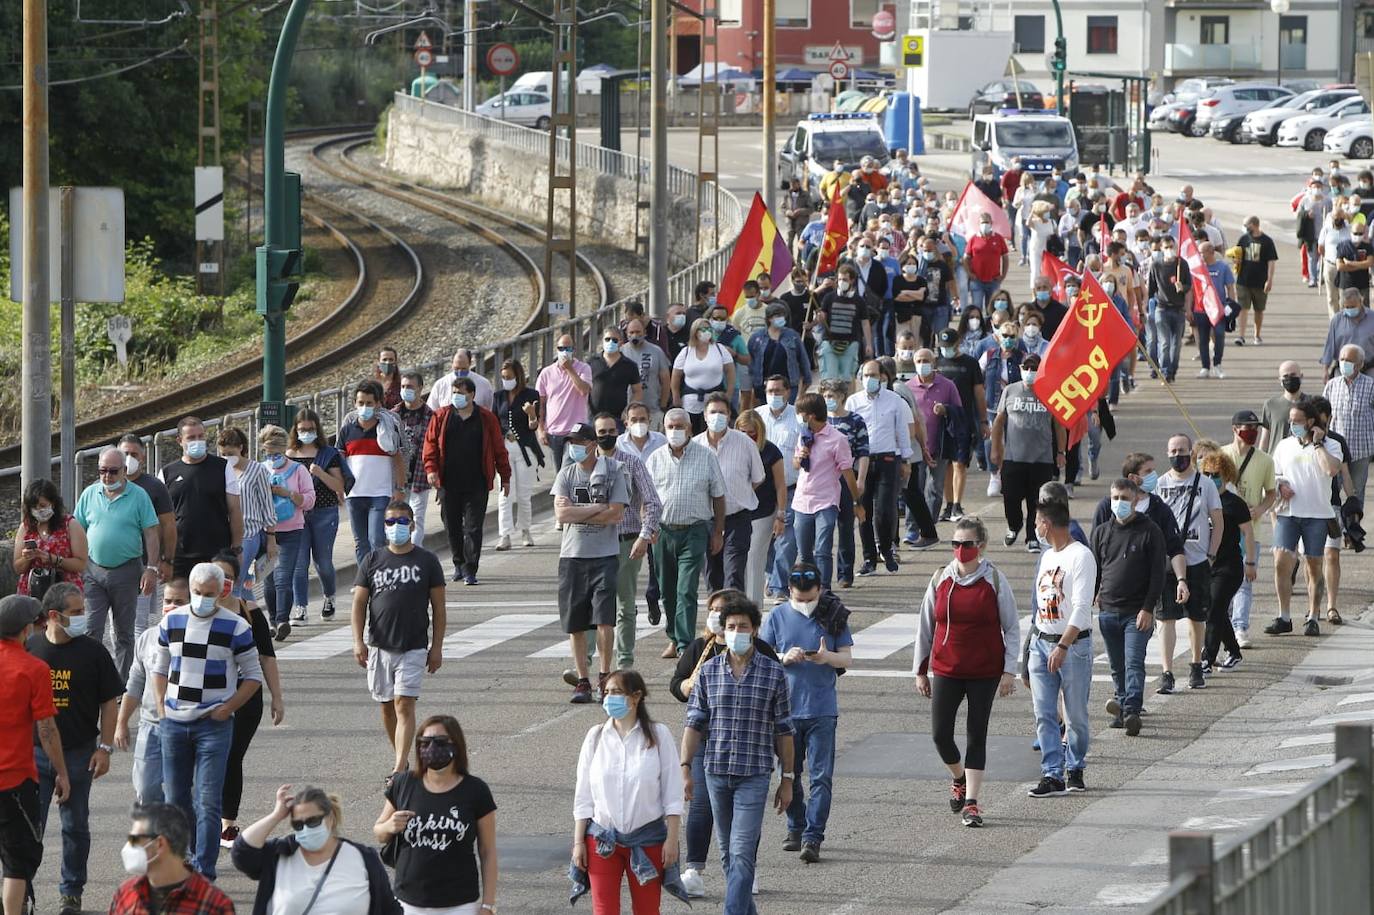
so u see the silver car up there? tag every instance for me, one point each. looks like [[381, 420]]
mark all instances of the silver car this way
[[1240, 98]]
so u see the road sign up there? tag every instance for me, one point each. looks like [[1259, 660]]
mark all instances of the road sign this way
[[913, 50], [838, 52], [884, 25], [818, 55], [97, 244], [424, 57], [120, 330], [423, 41], [839, 69], [209, 185], [503, 59]]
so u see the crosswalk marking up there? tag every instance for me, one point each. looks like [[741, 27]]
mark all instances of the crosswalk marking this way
[[1327, 720], [562, 648], [885, 637], [493, 632], [336, 641], [1319, 761]]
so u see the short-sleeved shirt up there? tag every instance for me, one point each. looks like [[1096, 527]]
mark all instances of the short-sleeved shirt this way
[[1274, 417], [611, 385], [844, 317], [1029, 434], [652, 362], [436, 867], [1341, 331], [1258, 477], [564, 405], [1234, 513], [985, 253], [25, 698], [818, 484], [605, 484], [964, 371], [161, 499], [766, 491], [687, 484], [83, 678], [114, 527], [1256, 253], [1296, 462], [398, 586], [1196, 530], [810, 686]]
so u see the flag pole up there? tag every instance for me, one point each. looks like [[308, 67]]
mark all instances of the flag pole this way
[[1197, 433]]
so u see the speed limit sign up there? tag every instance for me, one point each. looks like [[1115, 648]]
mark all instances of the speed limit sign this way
[[839, 69], [424, 57]]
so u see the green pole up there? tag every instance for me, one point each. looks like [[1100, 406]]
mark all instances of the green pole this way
[[274, 202], [1059, 53]]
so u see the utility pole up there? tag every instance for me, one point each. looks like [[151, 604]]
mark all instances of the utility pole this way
[[36, 385], [658, 135], [770, 95], [469, 54]]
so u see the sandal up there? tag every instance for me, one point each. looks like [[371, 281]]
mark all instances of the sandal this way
[[1333, 616]]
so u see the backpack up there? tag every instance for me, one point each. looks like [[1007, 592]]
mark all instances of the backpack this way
[[325, 456]]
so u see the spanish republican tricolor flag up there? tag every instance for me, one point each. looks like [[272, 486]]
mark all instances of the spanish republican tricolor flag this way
[[759, 249]]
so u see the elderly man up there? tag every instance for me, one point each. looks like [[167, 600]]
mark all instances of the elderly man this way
[[121, 527], [462, 368], [135, 466], [1274, 416], [1351, 393], [1352, 324], [941, 410], [889, 421], [692, 489], [742, 469], [564, 397]]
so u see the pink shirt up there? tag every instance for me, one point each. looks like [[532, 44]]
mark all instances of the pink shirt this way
[[819, 486], [298, 478], [940, 390], [564, 405]]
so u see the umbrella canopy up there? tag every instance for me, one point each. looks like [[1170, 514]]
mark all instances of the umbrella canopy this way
[[796, 75]]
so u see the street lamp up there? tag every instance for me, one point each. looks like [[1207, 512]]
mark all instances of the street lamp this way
[[1279, 7]]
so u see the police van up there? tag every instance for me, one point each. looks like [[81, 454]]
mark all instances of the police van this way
[[821, 139], [1041, 140]]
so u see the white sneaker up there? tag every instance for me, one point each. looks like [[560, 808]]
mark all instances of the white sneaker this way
[[756, 883], [300, 615], [1217, 372], [503, 544], [995, 484], [1243, 637], [1203, 373], [525, 538], [692, 883]]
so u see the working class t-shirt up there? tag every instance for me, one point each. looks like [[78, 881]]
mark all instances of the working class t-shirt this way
[[436, 866]]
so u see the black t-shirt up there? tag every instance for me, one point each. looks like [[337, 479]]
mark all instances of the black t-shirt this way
[[436, 864], [83, 678], [1054, 311], [905, 311], [844, 317], [398, 586], [201, 503], [162, 500], [796, 303], [1162, 287], [1354, 251], [937, 274], [1234, 513], [610, 384], [963, 370], [463, 443], [774, 359], [766, 491], [1256, 253]]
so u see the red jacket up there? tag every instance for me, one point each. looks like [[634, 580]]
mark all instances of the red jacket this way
[[494, 457]]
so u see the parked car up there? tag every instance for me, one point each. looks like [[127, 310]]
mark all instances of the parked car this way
[[1231, 127], [1198, 86], [1001, 93], [1263, 125], [1181, 119], [1354, 139], [1308, 131], [532, 109], [1239, 98]]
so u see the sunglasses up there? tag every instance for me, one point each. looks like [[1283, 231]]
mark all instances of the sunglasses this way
[[962, 543], [141, 837], [392, 522], [310, 823], [804, 578], [110, 471], [434, 741]]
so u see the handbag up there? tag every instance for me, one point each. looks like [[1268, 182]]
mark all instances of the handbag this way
[[391, 851], [40, 579]]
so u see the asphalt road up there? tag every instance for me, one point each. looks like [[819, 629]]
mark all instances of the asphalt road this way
[[892, 847]]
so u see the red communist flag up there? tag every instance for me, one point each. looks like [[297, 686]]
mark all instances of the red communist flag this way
[[1204, 290], [1056, 270], [836, 236], [1076, 368]]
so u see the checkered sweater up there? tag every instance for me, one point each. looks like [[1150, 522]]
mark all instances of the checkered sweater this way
[[204, 660]]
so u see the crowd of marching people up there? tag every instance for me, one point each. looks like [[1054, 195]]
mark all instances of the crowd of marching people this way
[[740, 443]]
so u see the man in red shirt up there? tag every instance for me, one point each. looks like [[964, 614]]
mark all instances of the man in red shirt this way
[[986, 259], [160, 882], [1011, 182], [25, 703]]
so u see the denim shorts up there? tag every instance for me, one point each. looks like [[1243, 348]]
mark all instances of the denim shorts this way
[[1311, 531]]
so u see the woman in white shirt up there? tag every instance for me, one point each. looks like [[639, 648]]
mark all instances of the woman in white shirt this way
[[628, 805], [701, 367], [313, 871], [1040, 226]]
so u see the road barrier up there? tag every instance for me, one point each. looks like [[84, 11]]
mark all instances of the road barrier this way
[[1313, 856]]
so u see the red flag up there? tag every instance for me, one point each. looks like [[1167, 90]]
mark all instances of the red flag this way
[[1104, 235], [1204, 290], [1076, 368], [836, 235], [972, 204], [759, 249], [1057, 271]]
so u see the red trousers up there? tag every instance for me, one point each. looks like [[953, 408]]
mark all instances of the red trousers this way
[[607, 874]]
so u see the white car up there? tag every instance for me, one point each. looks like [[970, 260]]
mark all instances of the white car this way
[[532, 109], [1354, 140], [1262, 126], [1308, 131]]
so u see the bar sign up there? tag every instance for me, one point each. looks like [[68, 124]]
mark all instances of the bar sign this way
[[210, 204]]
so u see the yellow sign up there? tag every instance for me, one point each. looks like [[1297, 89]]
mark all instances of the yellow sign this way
[[913, 50]]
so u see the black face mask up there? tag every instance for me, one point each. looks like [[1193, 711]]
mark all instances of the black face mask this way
[[1291, 383], [436, 755], [607, 442], [1180, 462]]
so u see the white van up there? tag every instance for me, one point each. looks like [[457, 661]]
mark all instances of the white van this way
[[534, 81]]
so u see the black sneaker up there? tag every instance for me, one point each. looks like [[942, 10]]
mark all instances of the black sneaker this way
[[1032, 545], [945, 512], [1132, 725], [1075, 780], [1231, 663], [70, 905], [582, 693], [958, 793], [1311, 628], [793, 840], [1195, 678], [327, 611], [1279, 626], [1048, 787], [655, 613], [890, 562], [1117, 723], [283, 630], [1206, 667], [1009, 538], [868, 568], [1166, 683], [972, 815], [811, 853]]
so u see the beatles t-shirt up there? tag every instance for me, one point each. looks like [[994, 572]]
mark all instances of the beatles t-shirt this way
[[435, 863]]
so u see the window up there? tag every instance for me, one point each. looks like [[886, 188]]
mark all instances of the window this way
[[1030, 34], [1216, 29], [730, 11], [1101, 34], [1364, 24], [1293, 42], [861, 13], [793, 14]]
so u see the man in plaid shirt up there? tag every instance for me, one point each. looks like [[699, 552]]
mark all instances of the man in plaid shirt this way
[[161, 883], [740, 700], [1351, 393]]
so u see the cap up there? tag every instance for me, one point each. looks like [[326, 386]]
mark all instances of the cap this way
[[582, 432], [949, 336], [1245, 418], [16, 612]]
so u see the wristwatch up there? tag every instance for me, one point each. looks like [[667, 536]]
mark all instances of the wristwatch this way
[[787, 775], [488, 907], [106, 747]]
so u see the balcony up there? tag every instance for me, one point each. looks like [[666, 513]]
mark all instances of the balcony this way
[[1211, 58]]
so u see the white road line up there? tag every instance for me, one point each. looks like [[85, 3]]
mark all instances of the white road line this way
[[493, 632], [544, 725], [1310, 740], [1293, 765], [335, 641], [1356, 699], [1234, 796], [1219, 823], [878, 672], [885, 637], [1352, 717], [1124, 894]]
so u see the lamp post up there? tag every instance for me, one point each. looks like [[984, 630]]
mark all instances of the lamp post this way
[[1279, 7]]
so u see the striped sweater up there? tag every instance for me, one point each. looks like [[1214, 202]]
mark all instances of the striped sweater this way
[[203, 661]]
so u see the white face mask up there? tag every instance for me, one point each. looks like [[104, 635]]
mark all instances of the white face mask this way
[[639, 430], [805, 607], [676, 437], [131, 464], [508, 384], [975, 323], [713, 622], [135, 859]]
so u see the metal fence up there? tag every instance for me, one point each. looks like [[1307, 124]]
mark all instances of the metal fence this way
[[1313, 856]]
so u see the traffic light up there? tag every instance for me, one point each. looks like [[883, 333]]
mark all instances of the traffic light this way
[[279, 268], [1059, 58]]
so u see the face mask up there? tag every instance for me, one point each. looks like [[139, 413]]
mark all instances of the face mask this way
[[713, 622], [460, 373], [565, 355], [1291, 383], [114, 487], [616, 707], [676, 437], [716, 422], [308, 438], [751, 303], [277, 461], [131, 464], [135, 859], [805, 607], [366, 413], [1122, 508], [42, 514], [884, 252], [705, 336], [639, 430], [1220, 484], [1028, 376], [776, 402], [407, 396], [386, 368], [1032, 332], [843, 286], [1167, 254], [739, 642], [779, 322], [634, 342], [1070, 292], [436, 755], [459, 401], [927, 256], [1109, 287], [610, 346], [975, 323], [985, 228], [966, 554], [76, 626], [1008, 343], [1149, 481], [196, 450], [313, 838], [924, 369], [1180, 462], [832, 405], [871, 385], [906, 355], [606, 442], [508, 384], [717, 325], [948, 351], [798, 287], [1298, 430], [1347, 368], [711, 301], [577, 453], [909, 270], [203, 605], [1350, 312], [1042, 295], [398, 534], [677, 321], [1248, 436]]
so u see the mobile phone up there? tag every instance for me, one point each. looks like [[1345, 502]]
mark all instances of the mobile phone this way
[[809, 654], [30, 544]]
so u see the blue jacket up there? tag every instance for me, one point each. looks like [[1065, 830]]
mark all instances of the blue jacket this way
[[992, 373], [260, 864], [798, 366]]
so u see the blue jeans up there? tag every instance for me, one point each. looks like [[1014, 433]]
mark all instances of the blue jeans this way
[[288, 554], [321, 528], [76, 813], [1151, 334], [251, 544], [1203, 325], [194, 756], [980, 293], [365, 513], [844, 563], [814, 740], [737, 803], [782, 551], [1073, 679], [1126, 650], [1169, 323], [699, 821], [146, 770], [1245, 597], [815, 539]]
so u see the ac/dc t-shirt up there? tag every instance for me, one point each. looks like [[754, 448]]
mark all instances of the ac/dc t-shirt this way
[[436, 866], [398, 586]]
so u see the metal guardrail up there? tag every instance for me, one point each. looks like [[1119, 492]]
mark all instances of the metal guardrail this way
[[1314, 856]]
